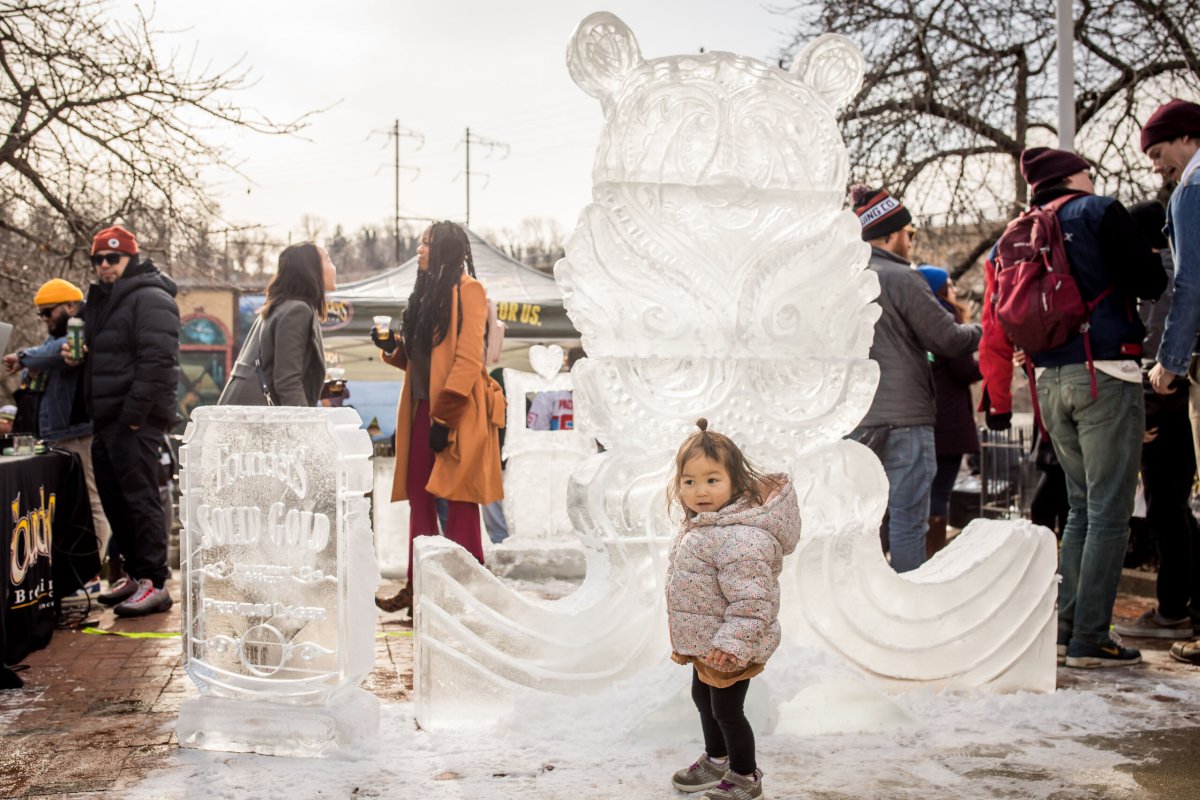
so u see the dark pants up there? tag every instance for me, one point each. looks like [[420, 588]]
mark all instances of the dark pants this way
[[462, 519], [727, 732], [943, 484], [1168, 469], [1050, 505], [127, 469]]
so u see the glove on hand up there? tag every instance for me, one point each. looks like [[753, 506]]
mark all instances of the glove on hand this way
[[998, 422], [387, 344], [439, 437]]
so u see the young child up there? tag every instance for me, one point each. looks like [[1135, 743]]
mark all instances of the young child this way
[[723, 599]]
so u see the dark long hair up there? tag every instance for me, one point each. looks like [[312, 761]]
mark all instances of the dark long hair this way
[[427, 316], [300, 276]]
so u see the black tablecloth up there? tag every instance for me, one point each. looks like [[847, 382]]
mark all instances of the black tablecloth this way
[[48, 546]]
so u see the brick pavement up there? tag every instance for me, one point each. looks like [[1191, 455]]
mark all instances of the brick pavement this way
[[98, 711]]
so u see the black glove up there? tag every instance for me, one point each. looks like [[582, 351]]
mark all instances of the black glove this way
[[439, 437], [387, 344], [998, 422]]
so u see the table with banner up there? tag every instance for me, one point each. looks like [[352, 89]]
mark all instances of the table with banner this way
[[49, 546]]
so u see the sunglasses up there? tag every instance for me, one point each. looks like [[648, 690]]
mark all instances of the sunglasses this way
[[912, 233], [47, 313], [112, 259]]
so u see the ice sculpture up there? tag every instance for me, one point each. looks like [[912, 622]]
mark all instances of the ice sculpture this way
[[539, 462], [716, 273], [279, 574]]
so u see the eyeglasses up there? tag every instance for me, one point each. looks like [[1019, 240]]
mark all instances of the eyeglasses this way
[[112, 259], [47, 313], [912, 233]]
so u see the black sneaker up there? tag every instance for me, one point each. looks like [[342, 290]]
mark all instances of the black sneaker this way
[[118, 592], [1084, 655]]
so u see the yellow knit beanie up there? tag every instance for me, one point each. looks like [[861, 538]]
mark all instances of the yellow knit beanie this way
[[56, 291]]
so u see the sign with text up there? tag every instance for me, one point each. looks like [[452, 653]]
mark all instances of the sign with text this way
[[273, 509]]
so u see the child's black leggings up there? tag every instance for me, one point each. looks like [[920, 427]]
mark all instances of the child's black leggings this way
[[726, 730]]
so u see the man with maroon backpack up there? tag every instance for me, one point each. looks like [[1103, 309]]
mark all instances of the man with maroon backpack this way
[[1089, 385]]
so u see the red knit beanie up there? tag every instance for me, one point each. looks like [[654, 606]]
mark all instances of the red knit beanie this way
[[1046, 165], [115, 238], [1172, 120], [878, 212]]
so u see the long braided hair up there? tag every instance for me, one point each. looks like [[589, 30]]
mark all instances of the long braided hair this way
[[427, 316]]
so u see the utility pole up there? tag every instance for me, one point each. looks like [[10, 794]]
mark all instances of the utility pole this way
[[396, 132], [492, 145], [1066, 75]]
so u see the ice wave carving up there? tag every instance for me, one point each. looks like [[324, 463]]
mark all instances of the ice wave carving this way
[[716, 273]]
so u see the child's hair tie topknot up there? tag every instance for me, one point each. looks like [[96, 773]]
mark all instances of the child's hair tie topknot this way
[[702, 424]]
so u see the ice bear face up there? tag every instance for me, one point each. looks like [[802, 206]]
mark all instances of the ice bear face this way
[[716, 119]]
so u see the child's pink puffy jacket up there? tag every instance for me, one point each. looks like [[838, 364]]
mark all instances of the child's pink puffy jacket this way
[[723, 576]]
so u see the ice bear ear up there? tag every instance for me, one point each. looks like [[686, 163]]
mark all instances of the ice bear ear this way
[[833, 65], [601, 52]]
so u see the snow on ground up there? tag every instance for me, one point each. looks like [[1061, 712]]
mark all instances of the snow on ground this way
[[968, 745]]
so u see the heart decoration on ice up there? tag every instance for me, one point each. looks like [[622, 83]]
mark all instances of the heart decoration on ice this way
[[546, 360]]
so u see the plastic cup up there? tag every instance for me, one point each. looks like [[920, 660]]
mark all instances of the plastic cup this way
[[382, 325]]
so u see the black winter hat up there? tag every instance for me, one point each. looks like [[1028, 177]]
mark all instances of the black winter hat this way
[[878, 212]]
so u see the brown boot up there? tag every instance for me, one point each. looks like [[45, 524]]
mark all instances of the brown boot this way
[[935, 537], [400, 601]]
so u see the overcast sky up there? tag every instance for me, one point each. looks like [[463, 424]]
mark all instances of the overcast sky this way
[[437, 66]]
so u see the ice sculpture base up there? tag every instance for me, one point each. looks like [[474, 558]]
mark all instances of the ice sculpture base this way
[[348, 721], [537, 562]]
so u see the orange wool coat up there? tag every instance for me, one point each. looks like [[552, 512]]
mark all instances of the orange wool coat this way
[[465, 397]]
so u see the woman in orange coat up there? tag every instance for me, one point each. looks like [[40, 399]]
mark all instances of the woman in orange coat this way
[[450, 409]]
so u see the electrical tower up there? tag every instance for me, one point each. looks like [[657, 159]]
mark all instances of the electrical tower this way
[[492, 146]]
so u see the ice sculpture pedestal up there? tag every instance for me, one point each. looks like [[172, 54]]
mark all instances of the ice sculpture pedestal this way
[[279, 574]]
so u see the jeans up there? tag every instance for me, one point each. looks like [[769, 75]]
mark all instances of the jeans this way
[[494, 523], [727, 732], [910, 463], [1098, 442]]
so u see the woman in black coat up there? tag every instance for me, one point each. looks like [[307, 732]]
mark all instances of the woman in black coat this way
[[955, 433], [286, 338]]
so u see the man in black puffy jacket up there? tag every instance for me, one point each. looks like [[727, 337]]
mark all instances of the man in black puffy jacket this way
[[131, 329]]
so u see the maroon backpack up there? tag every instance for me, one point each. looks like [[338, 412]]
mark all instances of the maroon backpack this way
[[1037, 300]]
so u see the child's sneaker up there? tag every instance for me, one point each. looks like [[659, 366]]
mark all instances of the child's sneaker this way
[[704, 774], [737, 787], [1084, 655]]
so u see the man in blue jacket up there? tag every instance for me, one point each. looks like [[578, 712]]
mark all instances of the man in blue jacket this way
[[1171, 139], [62, 414], [1089, 390], [131, 330]]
